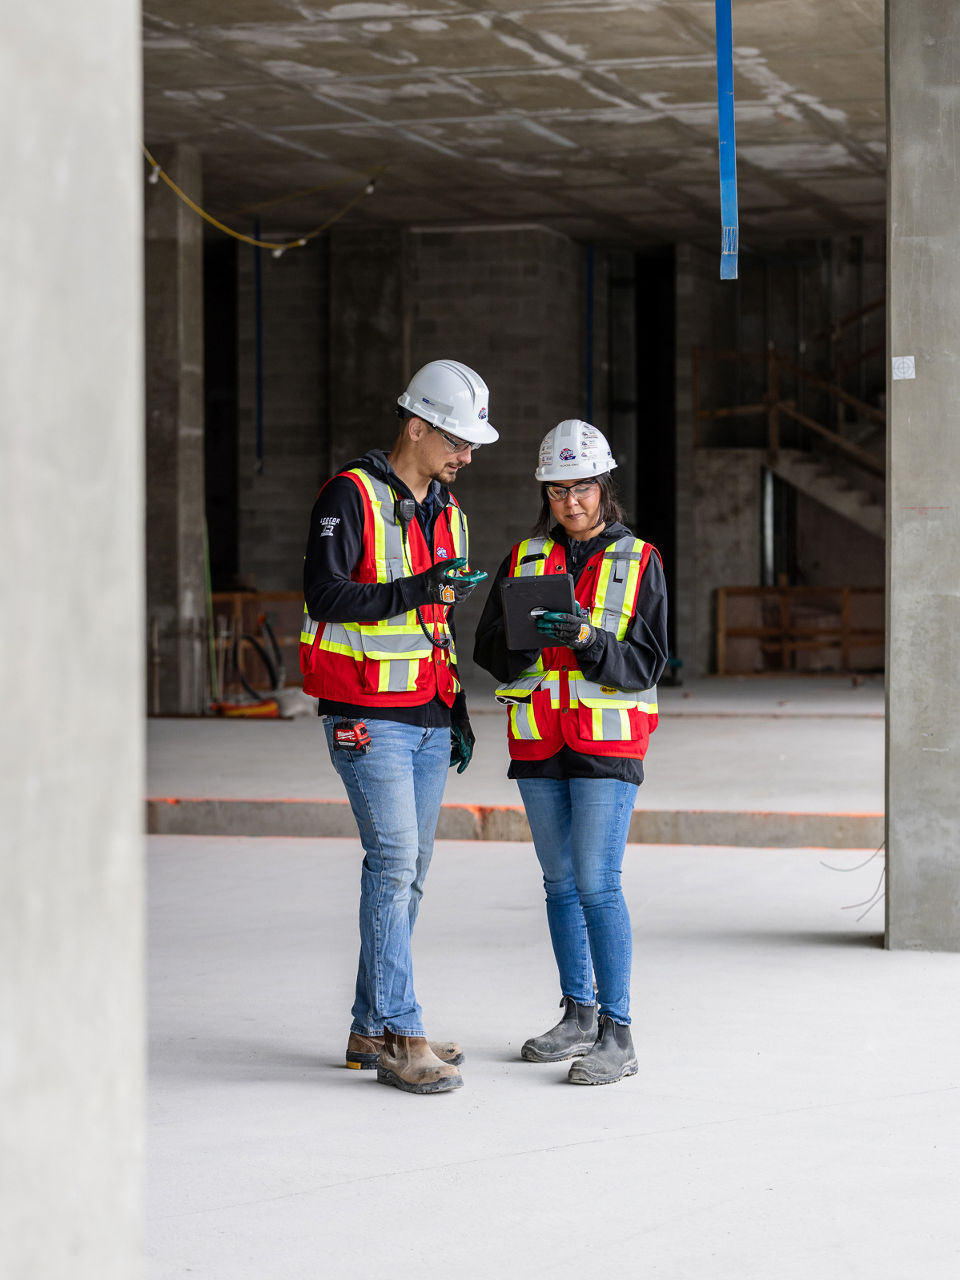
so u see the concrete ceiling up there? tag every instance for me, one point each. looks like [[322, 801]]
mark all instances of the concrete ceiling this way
[[594, 117]]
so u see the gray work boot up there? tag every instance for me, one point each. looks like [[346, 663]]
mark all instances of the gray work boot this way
[[610, 1059], [408, 1063], [363, 1052], [573, 1035]]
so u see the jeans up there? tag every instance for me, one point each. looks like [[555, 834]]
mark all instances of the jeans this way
[[395, 791], [580, 828]]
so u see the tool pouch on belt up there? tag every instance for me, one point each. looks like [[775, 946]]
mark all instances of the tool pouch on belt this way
[[351, 735]]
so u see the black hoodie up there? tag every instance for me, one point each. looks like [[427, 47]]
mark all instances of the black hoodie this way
[[334, 546], [636, 662]]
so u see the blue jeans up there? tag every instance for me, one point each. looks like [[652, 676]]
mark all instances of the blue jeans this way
[[395, 791], [580, 828]]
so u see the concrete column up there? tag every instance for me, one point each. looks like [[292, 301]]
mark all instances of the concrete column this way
[[71, 644], [923, 516], [176, 601]]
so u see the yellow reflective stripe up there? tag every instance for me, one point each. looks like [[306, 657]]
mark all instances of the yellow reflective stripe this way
[[458, 530], [523, 722], [308, 627], [537, 547], [379, 532], [617, 597]]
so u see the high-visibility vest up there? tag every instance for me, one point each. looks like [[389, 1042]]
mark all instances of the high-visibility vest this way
[[391, 662], [552, 702]]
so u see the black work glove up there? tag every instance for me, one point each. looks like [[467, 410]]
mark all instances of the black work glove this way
[[569, 629], [446, 583], [461, 744]]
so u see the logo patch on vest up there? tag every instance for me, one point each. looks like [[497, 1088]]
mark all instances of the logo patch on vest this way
[[607, 688], [442, 553]]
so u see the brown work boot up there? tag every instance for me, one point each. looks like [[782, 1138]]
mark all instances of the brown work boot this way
[[363, 1052], [408, 1063]]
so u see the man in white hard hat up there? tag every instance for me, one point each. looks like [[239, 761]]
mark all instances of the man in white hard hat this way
[[386, 561]]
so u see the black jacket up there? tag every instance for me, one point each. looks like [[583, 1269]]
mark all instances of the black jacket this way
[[636, 662], [334, 546]]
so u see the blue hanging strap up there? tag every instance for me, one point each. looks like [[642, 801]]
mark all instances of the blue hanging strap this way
[[729, 217]]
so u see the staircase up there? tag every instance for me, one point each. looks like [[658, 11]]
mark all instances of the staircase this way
[[816, 478]]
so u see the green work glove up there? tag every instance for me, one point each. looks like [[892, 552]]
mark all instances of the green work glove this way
[[569, 629], [446, 583], [461, 744]]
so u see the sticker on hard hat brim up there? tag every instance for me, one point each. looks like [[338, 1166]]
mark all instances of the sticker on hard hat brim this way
[[482, 414]]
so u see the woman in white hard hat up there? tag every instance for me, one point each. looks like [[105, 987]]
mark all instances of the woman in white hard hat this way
[[581, 711]]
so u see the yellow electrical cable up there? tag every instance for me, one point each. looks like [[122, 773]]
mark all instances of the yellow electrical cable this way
[[295, 195], [275, 245]]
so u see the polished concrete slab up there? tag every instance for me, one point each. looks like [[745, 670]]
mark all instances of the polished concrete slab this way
[[740, 761], [796, 1114]]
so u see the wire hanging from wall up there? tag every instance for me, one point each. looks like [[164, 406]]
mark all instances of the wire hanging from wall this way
[[157, 174]]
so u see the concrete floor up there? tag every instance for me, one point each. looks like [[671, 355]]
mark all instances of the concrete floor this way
[[809, 745], [796, 1114]]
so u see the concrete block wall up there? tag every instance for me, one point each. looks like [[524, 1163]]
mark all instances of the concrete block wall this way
[[274, 503], [509, 303], [368, 337]]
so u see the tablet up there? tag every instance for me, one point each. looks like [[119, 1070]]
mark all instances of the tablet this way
[[519, 595]]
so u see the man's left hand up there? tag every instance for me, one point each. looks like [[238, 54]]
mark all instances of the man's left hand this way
[[461, 744], [569, 629]]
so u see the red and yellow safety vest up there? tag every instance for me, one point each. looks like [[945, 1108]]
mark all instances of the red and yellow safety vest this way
[[552, 702], [392, 662]]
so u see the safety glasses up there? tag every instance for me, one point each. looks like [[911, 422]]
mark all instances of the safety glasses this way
[[452, 443], [580, 490]]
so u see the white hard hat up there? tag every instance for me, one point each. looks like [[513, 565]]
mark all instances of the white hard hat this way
[[453, 397], [574, 450]]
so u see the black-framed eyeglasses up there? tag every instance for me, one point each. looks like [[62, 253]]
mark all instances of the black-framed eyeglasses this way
[[452, 443], [579, 490]]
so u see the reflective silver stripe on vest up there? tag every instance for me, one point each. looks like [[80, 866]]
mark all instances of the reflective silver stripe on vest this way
[[308, 627], [614, 582], [398, 641]]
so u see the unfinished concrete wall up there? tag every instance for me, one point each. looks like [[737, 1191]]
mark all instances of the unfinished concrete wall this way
[[923, 517], [369, 336], [176, 599], [281, 466], [704, 318], [71, 528], [727, 511], [832, 551]]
